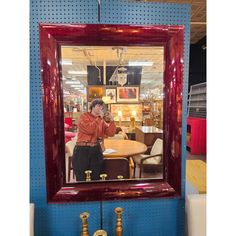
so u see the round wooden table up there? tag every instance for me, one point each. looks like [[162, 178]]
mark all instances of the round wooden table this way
[[124, 148]]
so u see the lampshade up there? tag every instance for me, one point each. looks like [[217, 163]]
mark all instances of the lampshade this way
[[106, 99], [119, 113], [134, 113]]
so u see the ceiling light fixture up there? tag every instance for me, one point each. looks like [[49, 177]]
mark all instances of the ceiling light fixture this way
[[120, 74], [73, 72], [66, 62], [72, 82], [80, 89], [140, 63], [76, 86]]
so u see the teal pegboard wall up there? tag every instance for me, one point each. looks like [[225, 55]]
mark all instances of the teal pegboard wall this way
[[146, 217], [153, 213], [133, 12], [52, 219], [150, 217]]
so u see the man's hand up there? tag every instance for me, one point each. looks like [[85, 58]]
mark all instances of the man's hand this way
[[108, 117]]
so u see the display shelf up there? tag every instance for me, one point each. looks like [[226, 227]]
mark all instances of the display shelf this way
[[197, 106], [153, 113], [200, 92], [197, 101], [196, 122]]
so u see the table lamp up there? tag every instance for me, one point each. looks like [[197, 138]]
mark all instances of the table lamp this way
[[132, 120], [107, 100], [119, 116]]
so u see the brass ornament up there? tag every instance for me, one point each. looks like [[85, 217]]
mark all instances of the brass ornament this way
[[84, 217], [103, 176], [88, 175], [100, 232], [119, 228]]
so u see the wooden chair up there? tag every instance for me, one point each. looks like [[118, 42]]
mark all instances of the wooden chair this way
[[154, 159], [115, 167]]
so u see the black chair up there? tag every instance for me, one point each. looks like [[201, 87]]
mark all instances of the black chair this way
[[115, 167]]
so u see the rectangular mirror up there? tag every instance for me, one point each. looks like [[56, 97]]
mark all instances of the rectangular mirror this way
[[138, 72], [130, 81]]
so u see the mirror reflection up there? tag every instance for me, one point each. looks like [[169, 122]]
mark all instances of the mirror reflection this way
[[113, 112]]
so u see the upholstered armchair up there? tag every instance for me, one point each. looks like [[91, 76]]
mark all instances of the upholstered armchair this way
[[154, 159], [69, 148]]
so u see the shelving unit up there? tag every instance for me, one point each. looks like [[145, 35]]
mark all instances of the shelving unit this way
[[197, 101], [196, 121], [153, 113]]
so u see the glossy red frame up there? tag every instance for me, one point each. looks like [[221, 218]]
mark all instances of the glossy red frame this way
[[52, 36]]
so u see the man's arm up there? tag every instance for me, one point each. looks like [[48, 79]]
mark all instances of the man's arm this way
[[110, 128], [87, 126]]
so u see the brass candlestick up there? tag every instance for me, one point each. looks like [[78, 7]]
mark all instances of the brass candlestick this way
[[132, 122], [120, 177], [119, 229], [103, 176], [84, 217], [100, 232], [88, 175]]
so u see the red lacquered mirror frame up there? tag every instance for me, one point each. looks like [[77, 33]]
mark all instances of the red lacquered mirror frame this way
[[52, 36]]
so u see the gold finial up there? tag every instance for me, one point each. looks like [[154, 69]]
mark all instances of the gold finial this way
[[84, 217], [103, 176], [88, 175], [119, 229], [120, 177], [100, 232]]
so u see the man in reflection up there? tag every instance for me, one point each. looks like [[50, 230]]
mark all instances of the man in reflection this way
[[93, 126]]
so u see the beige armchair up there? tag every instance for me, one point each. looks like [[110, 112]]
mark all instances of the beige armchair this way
[[69, 153], [154, 159]]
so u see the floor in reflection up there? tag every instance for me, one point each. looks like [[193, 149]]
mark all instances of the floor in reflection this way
[[147, 175]]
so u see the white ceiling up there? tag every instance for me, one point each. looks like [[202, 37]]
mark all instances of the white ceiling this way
[[80, 57]]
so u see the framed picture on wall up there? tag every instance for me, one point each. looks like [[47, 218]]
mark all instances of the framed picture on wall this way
[[111, 92], [95, 92], [128, 94]]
